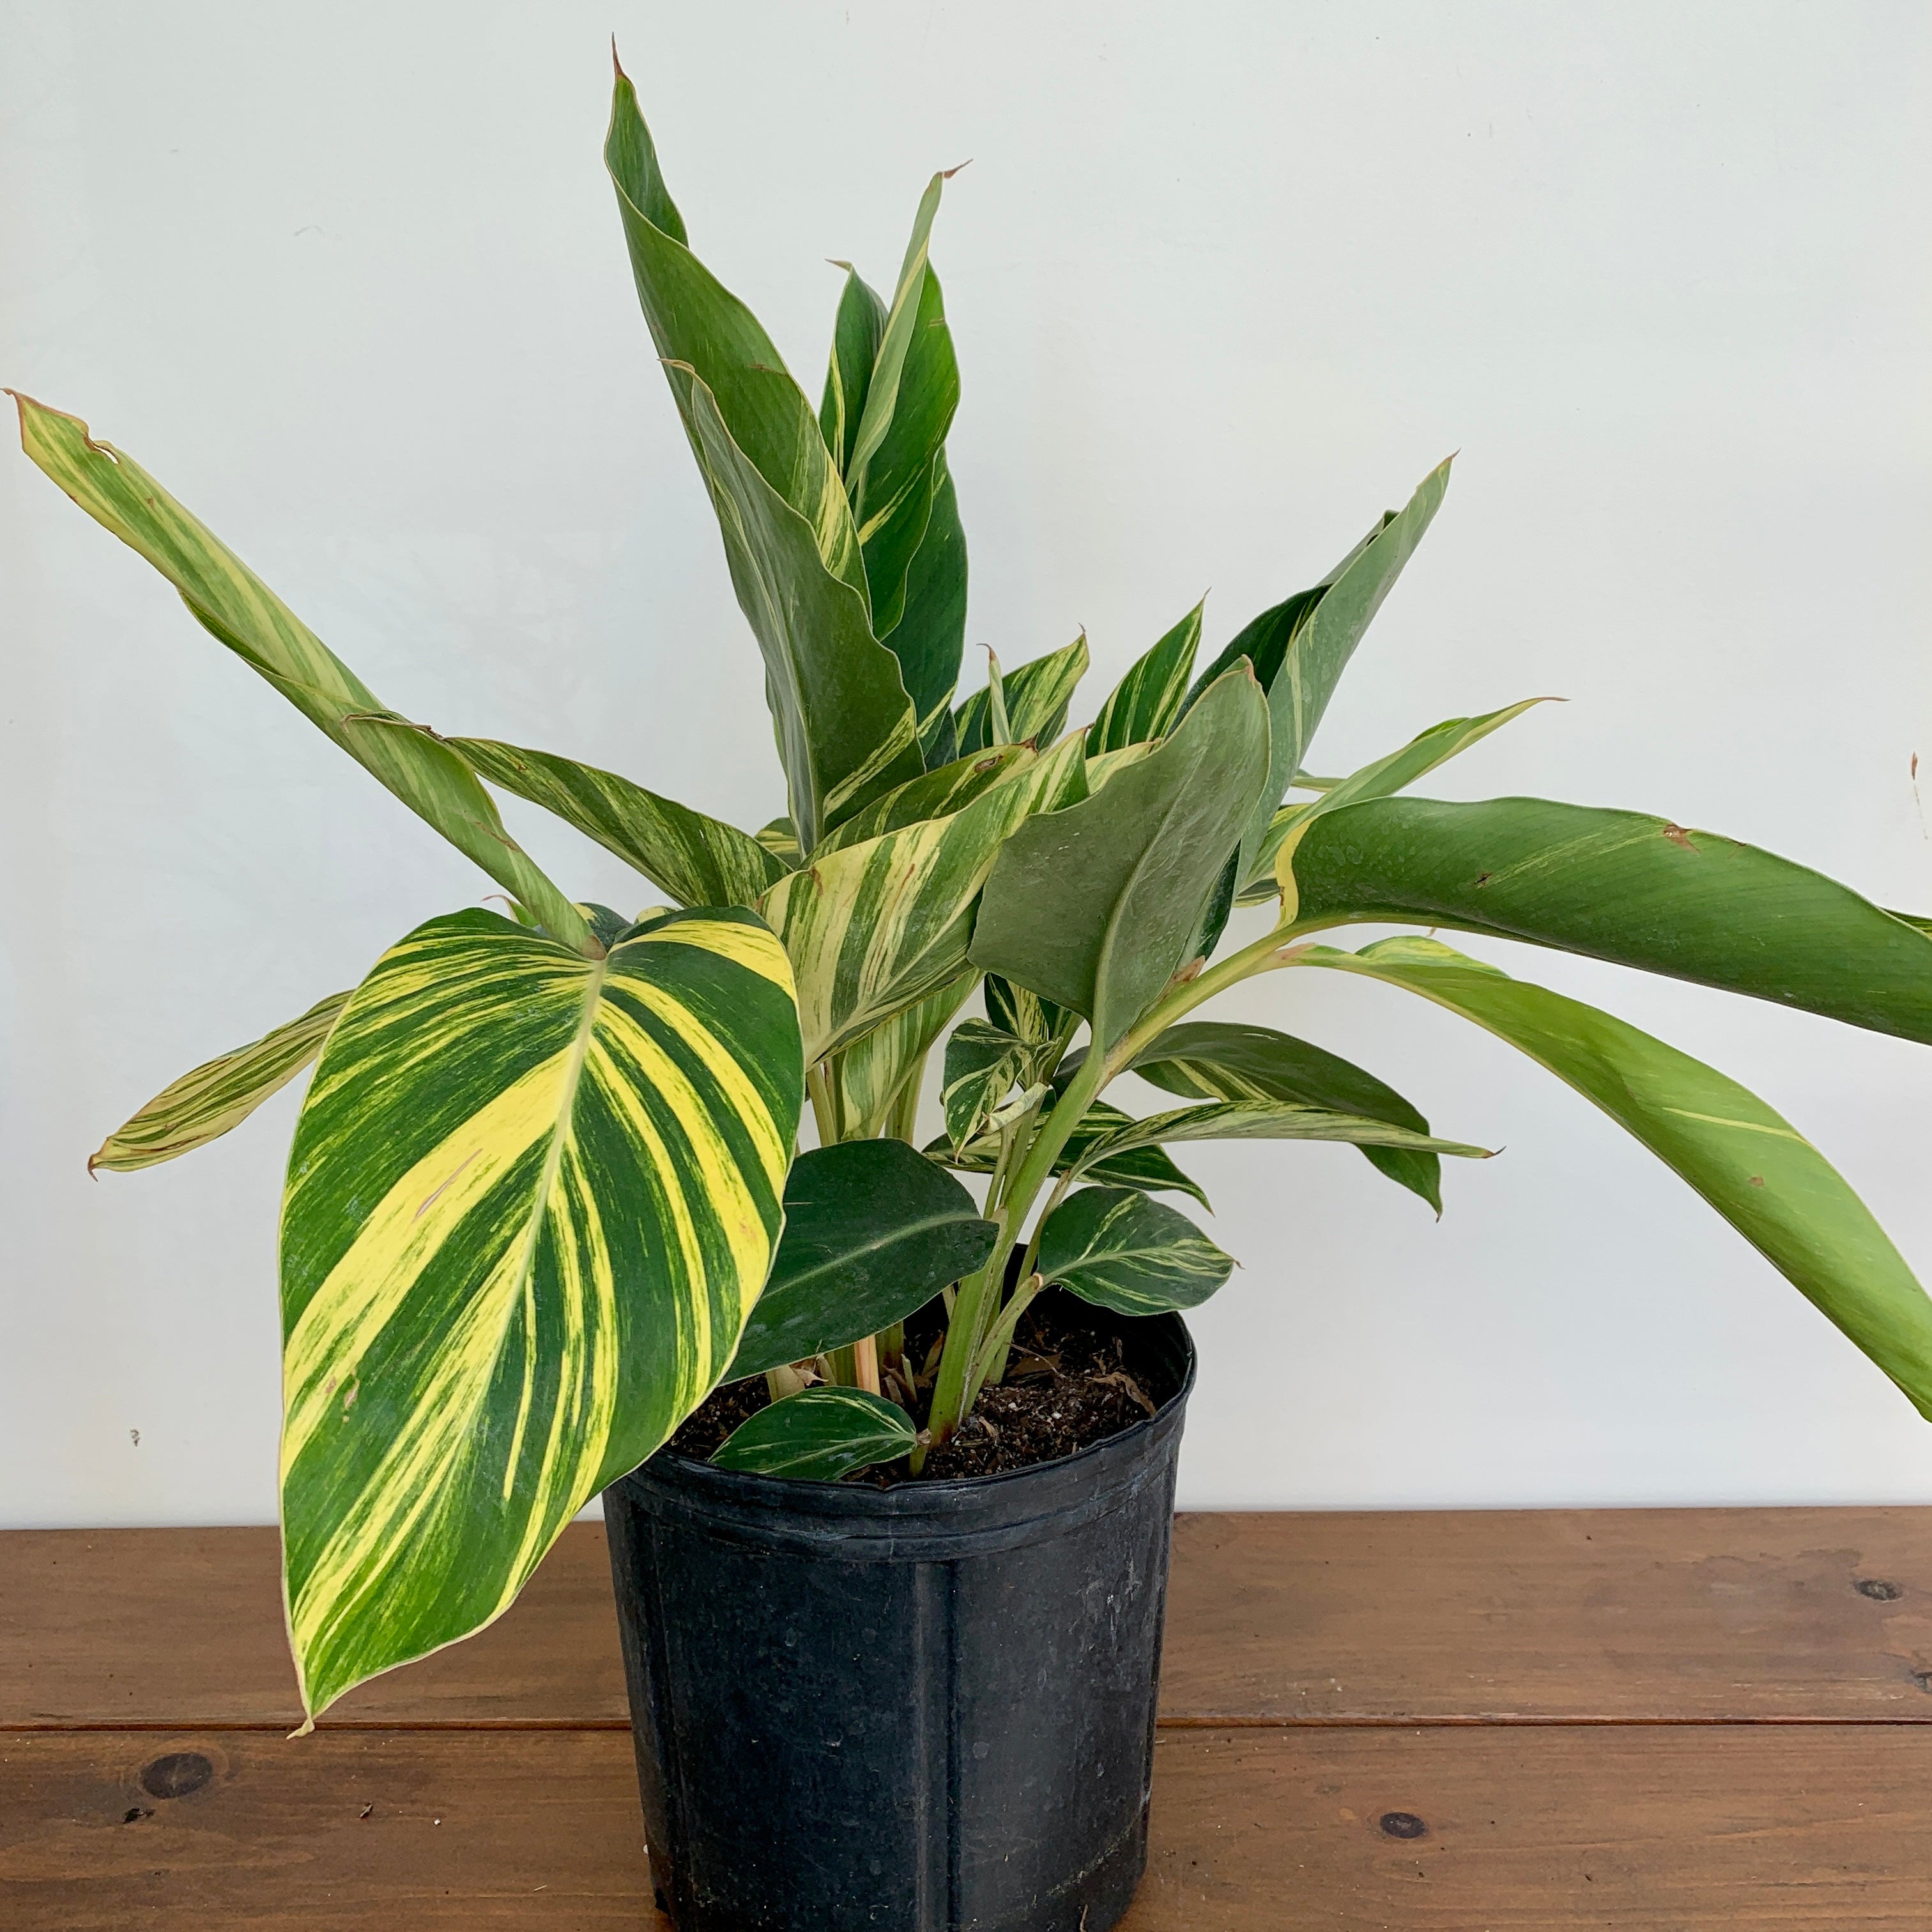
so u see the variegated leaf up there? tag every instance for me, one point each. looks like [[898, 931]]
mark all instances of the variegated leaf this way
[[1261, 1120], [846, 731], [1382, 779], [875, 927], [780, 839], [856, 331], [531, 1201], [1146, 702], [232, 603], [1114, 1247], [203, 1104], [1105, 766], [819, 1435], [984, 1063], [1146, 1168], [1037, 693], [699, 860], [938, 794], [870, 1078]]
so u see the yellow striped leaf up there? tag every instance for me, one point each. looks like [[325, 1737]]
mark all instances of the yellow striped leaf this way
[[202, 1104], [846, 731], [938, 794], [1146, 701], [699, 860], [532, 1200], [870, 1078], [229, 600], [874, 928], [1036, 695]]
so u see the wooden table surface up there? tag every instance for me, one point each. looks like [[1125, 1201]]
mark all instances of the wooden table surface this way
[[1496, 1722]]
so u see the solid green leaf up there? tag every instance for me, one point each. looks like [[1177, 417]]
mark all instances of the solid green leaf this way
[[533, 1199], [1093, 907], [235, 606], [204, 1103], [1299, 648], [845, 727], [1146, 702], [930, 638], [1037, 693], [856, 331], [934, 794], [984, 1063], [819, 1435], [696, 322], [699, 861], [1382, 779], [873, 1231], [874, 927], [1222, 1060], [1746, 1160], [1117, 1249], [1622, 887]]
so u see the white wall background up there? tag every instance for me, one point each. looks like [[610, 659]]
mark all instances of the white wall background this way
[[1227, 279]]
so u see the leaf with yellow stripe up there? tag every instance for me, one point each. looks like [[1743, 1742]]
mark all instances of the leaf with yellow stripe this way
[[874, 928], [532, 1201], [1036, 695], [204, 1102], [228, 600], [1146, 702], [701, 861]]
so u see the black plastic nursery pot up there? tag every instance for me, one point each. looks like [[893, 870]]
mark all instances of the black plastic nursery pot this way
[[928, 1708]]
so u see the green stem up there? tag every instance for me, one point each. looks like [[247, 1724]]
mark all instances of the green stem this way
[[979, 1294], [1000, 1337]]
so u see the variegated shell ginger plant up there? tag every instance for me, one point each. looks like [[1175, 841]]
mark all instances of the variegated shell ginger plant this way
[[544, 1194]]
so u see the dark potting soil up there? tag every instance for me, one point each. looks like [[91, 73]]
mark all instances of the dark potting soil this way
[[1067, 1385]]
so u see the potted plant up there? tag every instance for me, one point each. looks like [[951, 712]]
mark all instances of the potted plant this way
[[891, 1601]]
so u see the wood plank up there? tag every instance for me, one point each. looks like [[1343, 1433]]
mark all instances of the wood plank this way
[[1550, 1614], [1693, 1614], [1779, 1829]]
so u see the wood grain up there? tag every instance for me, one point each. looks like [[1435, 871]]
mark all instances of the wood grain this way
[[1823, 1615], [1766, 1828]]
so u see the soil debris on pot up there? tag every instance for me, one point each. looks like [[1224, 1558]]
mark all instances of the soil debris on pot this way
[[1067, 1386]]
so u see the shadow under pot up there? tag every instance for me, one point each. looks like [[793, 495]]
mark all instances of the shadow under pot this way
[[926, 1709]]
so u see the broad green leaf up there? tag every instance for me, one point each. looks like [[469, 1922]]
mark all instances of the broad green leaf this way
[[845, 727], [1147, 1167], [1261, 1120], [1118, 1249], [1220, 1060], [1146, 702], [1093, 907], [1622, 887], [1301, 648], [873, 1231], [1037, 693], [869, 1077], [699, 860], [1747, 1160], [936, 794], [1107, 764], [203, 1104], [819, 1435], [532, 1200], [860, 322], [930, 638], [984, 1063], [874, 927], [232, 603], [696, 322], [1382, 779]]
